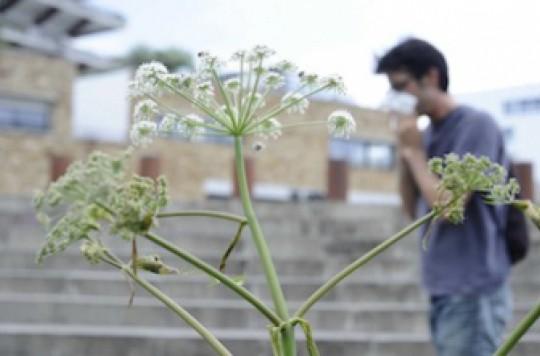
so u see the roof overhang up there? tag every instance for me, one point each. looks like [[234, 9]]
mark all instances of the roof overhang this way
[[58, 18], [48, 25]]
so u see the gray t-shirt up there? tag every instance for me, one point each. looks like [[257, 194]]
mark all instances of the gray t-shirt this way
[[467, 258]]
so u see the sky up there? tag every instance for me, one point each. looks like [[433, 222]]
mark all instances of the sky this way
[[488, 44]]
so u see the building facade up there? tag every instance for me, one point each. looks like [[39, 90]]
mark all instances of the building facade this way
[[42, 95]]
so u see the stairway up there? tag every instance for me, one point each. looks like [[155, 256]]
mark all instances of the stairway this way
[[67, 307]]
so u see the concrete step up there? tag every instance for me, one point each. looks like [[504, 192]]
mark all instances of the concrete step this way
[[195, 285], [217, 313], [96, 310], [112, 340], [283, 237], [240, 262]]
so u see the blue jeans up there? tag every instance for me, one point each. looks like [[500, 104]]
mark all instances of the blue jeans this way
[[470, 325]]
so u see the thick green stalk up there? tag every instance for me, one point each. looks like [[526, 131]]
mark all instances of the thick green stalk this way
[[332, 282], [519, 331], [227, 281], [169, 303], [207, 213], [262, 249]]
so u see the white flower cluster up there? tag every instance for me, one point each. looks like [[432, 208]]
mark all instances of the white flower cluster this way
[[147, 79], [142, 133], [235, 106], [341, 124], [145, 110], [270, 128], [295, 103], [145, 128]]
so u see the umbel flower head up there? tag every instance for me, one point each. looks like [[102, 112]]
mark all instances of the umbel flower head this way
[[94, 194], [461, 177], [341, 123], [234, 106]]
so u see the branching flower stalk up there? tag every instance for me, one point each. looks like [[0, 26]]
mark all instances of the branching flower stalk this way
[[96, 253], [97, 200], [152, 81], [533, 213]]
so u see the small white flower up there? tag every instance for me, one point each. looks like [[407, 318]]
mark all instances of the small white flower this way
[[260, 70], [274, 80], [238, 55], [177, 81], [295, 103], [204, 91], [334, 82], [169, 123], [341, 124], [151, 70], [233, 85], [143, 132], [258, 101], [145, 110], [188, 82], [270, 129], [208, 62], [285, 66], [260, 52], [309, 79], [147, 79], [190, 125]]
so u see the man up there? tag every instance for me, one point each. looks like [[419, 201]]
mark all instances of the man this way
[[465, 267]]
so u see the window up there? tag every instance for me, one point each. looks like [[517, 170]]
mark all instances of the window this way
[[364, 153], [522, 106], [25, 114], [380, 155]]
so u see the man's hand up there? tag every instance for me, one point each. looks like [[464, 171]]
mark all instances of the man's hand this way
[[409, 138], [413, 155]]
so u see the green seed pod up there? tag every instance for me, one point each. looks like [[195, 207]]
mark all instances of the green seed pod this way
[[154, 264]]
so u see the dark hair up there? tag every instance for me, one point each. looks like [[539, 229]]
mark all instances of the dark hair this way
[[416, 57]]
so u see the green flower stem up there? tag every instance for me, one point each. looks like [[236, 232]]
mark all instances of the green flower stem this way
[[325, 288], [104, 207], [274, 113], [263, 250], [307, 123], [243, 105], [296, 124], [296, 91], [519, 331], [249, 103], [257, 105], [207, 213], [226, 99], [241, 89], [196, 103], [174, 111], [181, 312], [214, 273]]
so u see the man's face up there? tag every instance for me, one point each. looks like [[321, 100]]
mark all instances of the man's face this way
[[423, 90]]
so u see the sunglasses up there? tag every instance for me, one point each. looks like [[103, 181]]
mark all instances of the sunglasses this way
[[400, 85]]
